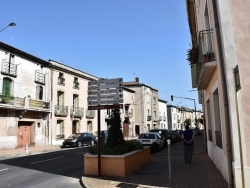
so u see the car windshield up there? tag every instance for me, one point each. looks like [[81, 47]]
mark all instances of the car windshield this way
[[74, 136], [147, 136]]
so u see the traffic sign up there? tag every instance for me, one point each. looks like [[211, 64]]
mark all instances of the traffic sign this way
[[99, 107]]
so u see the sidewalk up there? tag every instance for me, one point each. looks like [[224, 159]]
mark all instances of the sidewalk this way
[[4, 154], [202, 173]]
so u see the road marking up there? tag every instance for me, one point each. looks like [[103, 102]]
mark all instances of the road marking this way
[[4, 169], [47, 160]]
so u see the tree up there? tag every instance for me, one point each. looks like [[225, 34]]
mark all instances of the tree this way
[[187, 121], [115, 136]]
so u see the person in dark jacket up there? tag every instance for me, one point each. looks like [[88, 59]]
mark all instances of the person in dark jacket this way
[[188, 144]]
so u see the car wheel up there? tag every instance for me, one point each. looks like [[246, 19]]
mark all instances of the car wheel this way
[[79, 144]]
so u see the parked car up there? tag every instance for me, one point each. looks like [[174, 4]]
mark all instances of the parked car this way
[[165, 134], [79, 139], [152, 139], [104, 135], [176, 135]]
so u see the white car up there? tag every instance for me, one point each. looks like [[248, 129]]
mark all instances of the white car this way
[[152, 139]]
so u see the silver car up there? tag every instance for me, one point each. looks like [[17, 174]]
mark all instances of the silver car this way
[[152, 139]]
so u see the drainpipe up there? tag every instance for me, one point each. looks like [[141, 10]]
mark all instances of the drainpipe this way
[[225, 96]]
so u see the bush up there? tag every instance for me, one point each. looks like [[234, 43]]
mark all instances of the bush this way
[[126, 147]]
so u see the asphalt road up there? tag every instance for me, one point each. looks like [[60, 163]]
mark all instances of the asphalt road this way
[[48, 170]]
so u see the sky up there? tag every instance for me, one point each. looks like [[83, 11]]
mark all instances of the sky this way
[[125, 39]]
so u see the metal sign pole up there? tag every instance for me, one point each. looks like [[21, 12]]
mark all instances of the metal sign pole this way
[[99, 142], [170, 181]]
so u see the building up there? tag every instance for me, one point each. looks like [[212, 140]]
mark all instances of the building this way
[[162, 118], [25, 99], [69, 107], [145, 105], [220, 34]]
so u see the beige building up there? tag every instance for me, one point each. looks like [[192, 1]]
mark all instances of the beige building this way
[[69, 107], [146, 106], [24, 99], [220, 34]]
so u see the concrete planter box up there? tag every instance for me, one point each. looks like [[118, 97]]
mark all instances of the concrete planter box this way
[[117, 165]]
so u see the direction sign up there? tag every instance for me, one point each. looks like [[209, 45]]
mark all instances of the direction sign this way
[[105, 92], [114, 106]]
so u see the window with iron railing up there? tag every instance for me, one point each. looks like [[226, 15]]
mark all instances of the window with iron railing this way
[[9, 68], [39, 77], [76, 83], [60, 129], [61, 79]]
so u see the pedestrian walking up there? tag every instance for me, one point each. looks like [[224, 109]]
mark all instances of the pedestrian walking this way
[[188, 144]]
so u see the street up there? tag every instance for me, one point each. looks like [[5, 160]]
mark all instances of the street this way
[[55, 169]]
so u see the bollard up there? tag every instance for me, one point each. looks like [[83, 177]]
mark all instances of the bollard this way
[[27, 148], [170, 182]]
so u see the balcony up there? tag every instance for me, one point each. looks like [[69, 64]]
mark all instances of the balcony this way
[[149, 118], [160, 118], [61, 110], [156, 119], [38, 104], [207, 62], [61, 81], [26, 103], [164, 118], [9, 68], [39, 77], [90, 114], [77, 112], [76, 85]]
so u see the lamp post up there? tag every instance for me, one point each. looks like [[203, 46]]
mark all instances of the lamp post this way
[[172, 97], [11, 24]]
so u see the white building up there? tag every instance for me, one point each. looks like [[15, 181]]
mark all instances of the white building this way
[[162, 118]]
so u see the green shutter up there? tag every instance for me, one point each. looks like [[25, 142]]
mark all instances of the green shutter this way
[[6, 87]]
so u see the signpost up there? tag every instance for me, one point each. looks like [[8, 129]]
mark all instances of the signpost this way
[[104, 94]]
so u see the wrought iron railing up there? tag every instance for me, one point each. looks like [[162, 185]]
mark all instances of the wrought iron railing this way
[[149, 118], [39, 77], [61, 110], [76, 111], [9, 68], [61, 81], [76, 85], [90, 113], [39, 104]]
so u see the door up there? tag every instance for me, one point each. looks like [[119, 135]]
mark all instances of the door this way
[[23, 134], [137, 130], [74, 127]]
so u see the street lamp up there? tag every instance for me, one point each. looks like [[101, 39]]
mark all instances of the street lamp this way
[[188, 99], [11, 24]]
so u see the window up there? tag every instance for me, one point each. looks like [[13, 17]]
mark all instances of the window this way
[[8, 67], [39, 92], [209, 122], [217, 119], [60, 98], [7, 87], [61, 79], [237, 78], [60, 129], [76, 83]]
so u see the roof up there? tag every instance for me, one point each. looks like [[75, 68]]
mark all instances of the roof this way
[[22, 54], [137, 84]]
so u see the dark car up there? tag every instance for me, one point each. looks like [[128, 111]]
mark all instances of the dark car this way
[[79, 139], [176, 135]]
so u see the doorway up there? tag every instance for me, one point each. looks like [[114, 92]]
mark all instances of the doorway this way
[[137, 130], [74, 127], [24, 132]]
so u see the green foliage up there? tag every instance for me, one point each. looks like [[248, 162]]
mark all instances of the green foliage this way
[[6, 99], [192, 55], [115, 136], [127, 146], [187, 121]]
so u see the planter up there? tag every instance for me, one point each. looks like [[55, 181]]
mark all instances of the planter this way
[[117, 165]]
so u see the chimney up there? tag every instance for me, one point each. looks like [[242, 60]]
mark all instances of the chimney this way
[[137, 80]]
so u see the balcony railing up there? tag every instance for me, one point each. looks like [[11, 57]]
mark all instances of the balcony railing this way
[[164, 118], [206, 64], [61, 136], [76, 85], [160, 118], [90, 114], [76, 111], [39, 77], [38, 104], [61, 81], [9, 68], [61, 110], [149, 118]]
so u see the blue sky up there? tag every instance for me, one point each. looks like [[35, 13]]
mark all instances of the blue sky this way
[[109, 39]]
